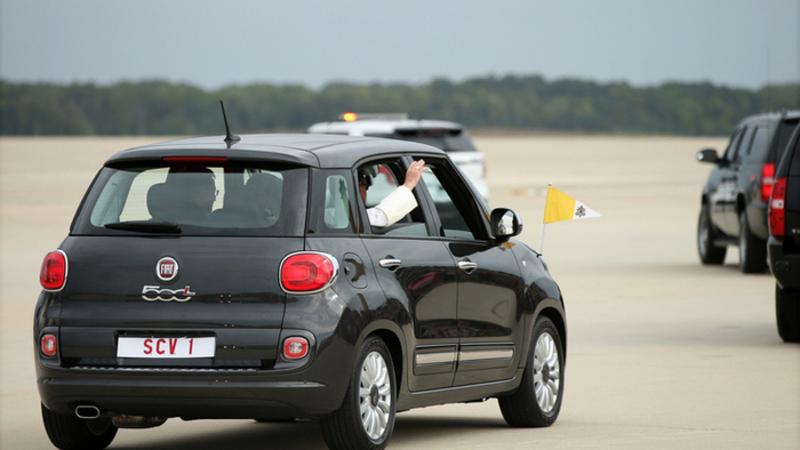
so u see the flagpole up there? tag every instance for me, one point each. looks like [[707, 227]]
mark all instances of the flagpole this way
[[544, 224]]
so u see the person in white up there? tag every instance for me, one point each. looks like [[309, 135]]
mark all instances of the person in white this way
[[397, 204]]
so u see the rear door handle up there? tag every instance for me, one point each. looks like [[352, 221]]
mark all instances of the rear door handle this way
[[390, 262], [467, 266]]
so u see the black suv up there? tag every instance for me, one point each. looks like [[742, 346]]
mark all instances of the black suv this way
[[224, 278], [734, 200], [784, 241]]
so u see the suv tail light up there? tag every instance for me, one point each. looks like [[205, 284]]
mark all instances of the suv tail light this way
[[777, 211], [53, 275], [767, 180], [308, 272]]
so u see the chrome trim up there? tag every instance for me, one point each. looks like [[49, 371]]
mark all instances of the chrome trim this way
[[467, 266], [389, 262], [485, 355], [330, 257], [422, 359]]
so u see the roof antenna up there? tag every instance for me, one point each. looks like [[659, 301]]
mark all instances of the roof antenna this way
[[230, 139]]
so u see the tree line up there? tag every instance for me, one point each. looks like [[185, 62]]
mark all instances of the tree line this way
[[509, 102]]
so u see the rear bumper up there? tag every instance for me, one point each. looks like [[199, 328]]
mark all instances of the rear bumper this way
[[190, 396], [784, 267]]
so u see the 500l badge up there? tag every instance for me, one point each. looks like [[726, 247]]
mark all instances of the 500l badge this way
[[153, 293]]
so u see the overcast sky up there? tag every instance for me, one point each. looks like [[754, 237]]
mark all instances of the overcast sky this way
[[738, 43]]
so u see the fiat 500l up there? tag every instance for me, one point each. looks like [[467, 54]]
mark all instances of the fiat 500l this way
[[240, 278]]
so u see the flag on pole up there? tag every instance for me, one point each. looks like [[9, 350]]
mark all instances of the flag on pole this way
[[560, 206]]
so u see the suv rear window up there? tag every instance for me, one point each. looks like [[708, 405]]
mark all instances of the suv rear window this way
[[193, 199], [785, 130], [448, 140]]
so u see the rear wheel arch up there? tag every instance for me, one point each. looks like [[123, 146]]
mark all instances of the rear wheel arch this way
[[390, 334]]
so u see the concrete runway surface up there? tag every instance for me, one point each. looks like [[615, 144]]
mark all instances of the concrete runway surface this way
[[663, 352]]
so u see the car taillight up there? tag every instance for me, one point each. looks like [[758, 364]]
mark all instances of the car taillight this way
[[767, 180], [777, 211], [49, 345], [295, 348], [308, 272], [53, 275]]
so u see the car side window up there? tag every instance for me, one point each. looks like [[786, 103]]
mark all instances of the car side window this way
[[337, 205], [378, 179], [758, 148], [733, 147], [458, 213]]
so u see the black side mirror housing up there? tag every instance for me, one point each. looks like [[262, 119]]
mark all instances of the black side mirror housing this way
[[505, 223], [708, 155]]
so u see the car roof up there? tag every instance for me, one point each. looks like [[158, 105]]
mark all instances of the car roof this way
[[313, 150], [774, 115], [380, 126]]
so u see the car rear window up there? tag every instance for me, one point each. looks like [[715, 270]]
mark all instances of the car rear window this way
[[785, 130], [448, 140], [196, 199]]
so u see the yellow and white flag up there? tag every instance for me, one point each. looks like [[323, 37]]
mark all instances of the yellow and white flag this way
[[560, 206]]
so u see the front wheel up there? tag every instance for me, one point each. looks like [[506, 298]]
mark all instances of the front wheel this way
[[787, 312], [366, 418], [537, 402], [72, 433]]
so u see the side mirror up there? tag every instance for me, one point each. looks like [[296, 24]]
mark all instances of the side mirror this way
[[708, 155], [505, 224]]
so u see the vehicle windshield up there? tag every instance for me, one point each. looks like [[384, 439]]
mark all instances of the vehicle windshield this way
[[193, 199]]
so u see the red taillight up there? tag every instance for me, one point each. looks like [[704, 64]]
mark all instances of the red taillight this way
[[777, 209], [54, 271], [767, 180], [49, 345], [295, 348], [307, 272]]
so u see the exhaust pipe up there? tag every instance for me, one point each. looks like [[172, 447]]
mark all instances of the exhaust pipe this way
[[87, 412], [125, 421]]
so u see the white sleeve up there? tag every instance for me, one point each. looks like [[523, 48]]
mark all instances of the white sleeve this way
[[376, 217], [394, 207]]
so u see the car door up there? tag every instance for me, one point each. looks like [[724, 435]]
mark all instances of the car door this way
[[490, 288], [723, 194], [415, 268]]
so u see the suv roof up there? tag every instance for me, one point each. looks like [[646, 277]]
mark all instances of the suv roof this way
[[384, 125], [321, 150]]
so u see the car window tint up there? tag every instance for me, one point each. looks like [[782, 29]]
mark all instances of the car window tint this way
[[200, 199], [784, 134], [454, 223], [733, 146], [747, 140], [337, 205], [758, 148]]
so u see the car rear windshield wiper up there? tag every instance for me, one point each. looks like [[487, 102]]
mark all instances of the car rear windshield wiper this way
[[146, 226]]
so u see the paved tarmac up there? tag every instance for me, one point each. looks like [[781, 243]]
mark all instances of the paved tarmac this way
[[663, 353]]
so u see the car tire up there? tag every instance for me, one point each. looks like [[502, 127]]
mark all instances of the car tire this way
[[787, 312], [709, 253], [72, 433], [537, 402], [752, 250], [372, 389]]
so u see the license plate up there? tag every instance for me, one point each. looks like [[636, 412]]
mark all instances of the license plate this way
[[166, 347]]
